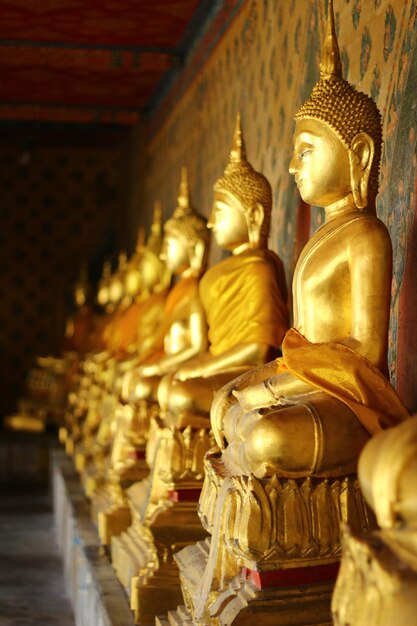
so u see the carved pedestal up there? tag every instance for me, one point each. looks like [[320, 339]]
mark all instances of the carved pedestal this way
[[377, 584], [274, 552], [126, 465], [164, 520]]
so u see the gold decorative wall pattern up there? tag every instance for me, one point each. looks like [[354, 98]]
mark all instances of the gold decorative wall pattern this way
[[265, 65]]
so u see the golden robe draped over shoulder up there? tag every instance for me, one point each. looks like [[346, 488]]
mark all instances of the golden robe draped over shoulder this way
[[148, 338], [346, 375], [140, 322], [178, 305], [244, 298], [181, 297]]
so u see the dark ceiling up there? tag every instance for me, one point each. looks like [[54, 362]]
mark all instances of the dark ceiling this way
[[90, 60]]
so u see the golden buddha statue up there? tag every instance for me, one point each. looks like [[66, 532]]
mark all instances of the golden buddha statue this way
[[290, 433], [244, 296], [377, 582], [341, 295]]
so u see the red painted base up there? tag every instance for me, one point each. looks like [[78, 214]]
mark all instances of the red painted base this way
[[137, 455], [293, 577], [184, 495]]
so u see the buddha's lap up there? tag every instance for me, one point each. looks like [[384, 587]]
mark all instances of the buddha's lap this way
[[317, 434]]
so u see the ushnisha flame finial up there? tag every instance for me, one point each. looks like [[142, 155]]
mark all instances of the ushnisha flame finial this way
[[331, 65], [106, 270], [157, 218], [184, 194], [122, 261], [140, 242], [186, 220], [154, 241], [238, 150]]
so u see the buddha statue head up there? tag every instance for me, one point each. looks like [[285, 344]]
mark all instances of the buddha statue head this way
[[116, 283], [103, 297], [186, 238], [338, 137], [242, 206], [151, 267], [81, 288], [132, 283]]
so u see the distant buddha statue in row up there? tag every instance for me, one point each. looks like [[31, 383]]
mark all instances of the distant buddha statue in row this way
[[184, 252]]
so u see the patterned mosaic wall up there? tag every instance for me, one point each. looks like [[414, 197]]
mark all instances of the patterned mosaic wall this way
[[57, 208], [266, 65]]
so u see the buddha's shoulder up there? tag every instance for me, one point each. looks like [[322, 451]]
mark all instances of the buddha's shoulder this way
[[240, 265], [368, 228]]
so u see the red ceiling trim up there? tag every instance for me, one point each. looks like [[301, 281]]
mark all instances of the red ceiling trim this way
[[82, 115], [90, 59]]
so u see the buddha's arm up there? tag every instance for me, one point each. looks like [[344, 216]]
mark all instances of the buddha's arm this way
[[370, 264], [271, 391], [225, 397], [100, 357], [260, 388], [127, 364], [198, 343], [207, 365]]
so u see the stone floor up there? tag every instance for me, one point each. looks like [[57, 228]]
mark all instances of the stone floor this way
[[31, 581]]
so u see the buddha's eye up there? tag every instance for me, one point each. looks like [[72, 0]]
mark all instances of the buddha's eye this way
[[304, 153]]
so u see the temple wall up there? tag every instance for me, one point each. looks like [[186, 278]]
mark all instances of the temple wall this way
[[265, 65], [58, 208]]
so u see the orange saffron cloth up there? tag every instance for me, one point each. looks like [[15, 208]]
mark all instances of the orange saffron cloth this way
[[346, 375]]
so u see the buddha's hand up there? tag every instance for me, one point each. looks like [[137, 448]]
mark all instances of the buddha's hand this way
[[222, 402], [146, 371], [185, 372], [256, 396]]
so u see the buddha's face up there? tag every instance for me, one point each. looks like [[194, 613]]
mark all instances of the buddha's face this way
[[175, 253], [228, 221], [150, 271], [320, 164]]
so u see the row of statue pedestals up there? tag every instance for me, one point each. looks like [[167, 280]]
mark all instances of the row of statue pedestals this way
[[223, 477]]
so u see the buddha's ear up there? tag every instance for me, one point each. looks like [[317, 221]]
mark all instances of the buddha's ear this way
[[255, 219], [361, 156], [197, 256]]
